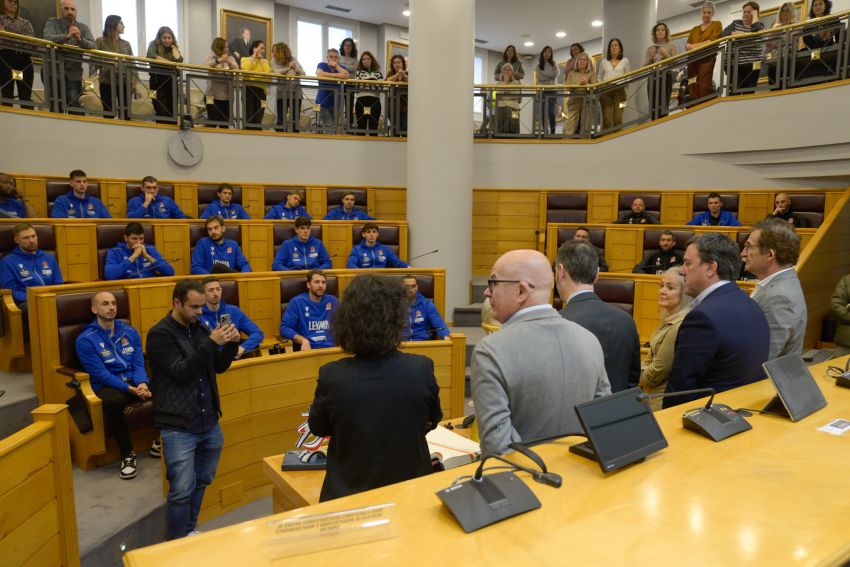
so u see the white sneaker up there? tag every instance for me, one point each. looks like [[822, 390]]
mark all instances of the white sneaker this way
[[156, 449], [193, 532], [128, 467]]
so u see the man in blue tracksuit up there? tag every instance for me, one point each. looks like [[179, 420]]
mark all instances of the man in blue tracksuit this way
[[307, 320], [27, 266], [111, 354], [425, 321], [77, 203], [302, 252], [347, 211], [225, 207], [215, 254], [372, 254], [134, 259], [715, 215], [215, 307], [151, 205], [289, 209]]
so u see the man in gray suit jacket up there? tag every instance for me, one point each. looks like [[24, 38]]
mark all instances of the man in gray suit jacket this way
[[576, 272], [770, 253], [528, 377]]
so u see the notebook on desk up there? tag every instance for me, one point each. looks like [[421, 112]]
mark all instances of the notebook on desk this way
[[451, 449]]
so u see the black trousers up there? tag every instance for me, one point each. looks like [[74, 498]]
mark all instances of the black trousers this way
[[219, 111], [106, 100], [292, 123], [747, 76], [114, 402], [254, 97], [163, 104], [11, 60], [368, 121]]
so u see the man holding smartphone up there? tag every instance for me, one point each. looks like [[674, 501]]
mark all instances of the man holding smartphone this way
[[217, 313]]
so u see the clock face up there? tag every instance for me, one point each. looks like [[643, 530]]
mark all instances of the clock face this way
[[186, 149]]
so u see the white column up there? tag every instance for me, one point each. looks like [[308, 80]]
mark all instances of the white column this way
[[439, 143], [631, 21]]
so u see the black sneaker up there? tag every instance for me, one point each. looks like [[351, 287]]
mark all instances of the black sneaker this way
[[156, 449], [128, 467]]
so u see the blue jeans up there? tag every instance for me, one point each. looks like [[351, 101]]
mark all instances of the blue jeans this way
[[190, 463]]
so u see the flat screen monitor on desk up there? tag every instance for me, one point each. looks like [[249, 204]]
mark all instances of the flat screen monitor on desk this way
[[620, 429], [797, 393]]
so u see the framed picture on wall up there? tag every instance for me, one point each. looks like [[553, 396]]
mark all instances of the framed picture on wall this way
[[241, 29], [396, 48], [38, 12]]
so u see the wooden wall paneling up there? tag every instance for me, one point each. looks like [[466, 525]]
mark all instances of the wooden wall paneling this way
[[542, 220], [646, 311], [676, 207], [623, 248], [389, 203], [114, 196], [317, 203], [186, 197], [172, 241], [832, 198], [509, 218], [337, 239], [258, 245], [253, 201], [753, 206], [148, 305], [806, 235], [35, 190], [403, 251], [261, 298], [76, 247], [601, 206]]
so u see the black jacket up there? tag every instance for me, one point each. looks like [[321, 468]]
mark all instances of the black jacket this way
[[376, 410], [659, 261], [178, 357]]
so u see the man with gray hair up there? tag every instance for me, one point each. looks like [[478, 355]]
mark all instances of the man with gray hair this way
[[724, 340], [771, 251], [576, 270], [66, 30], [528, 377]]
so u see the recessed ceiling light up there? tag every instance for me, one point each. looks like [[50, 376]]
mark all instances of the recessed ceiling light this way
[[561, 34], [406, 13], [596, 23], [529, 44]]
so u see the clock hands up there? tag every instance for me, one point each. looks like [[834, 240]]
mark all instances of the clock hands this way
[[188, 151]]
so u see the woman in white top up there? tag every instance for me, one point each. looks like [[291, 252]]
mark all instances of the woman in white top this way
[[614, 65], [507, 103], [219, 88], [288, 101], [367, 105]]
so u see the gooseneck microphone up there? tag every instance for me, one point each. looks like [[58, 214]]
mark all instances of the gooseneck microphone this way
[[542, 476], [715, 421], [421, 255], [644, 397]]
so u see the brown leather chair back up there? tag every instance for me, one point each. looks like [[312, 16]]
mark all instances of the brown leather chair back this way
[[135, 189], [58, 188], [46, 238], [198, 231], [730, 202], [73, 313], [652, 201], [208, 193], [620, 293], [274, 195], [335, 195], [282, 232], [108, 235], [651, 236], [566, 207], [230, 292], [597, 236], [290, 287], [810, 206], [388, 235]]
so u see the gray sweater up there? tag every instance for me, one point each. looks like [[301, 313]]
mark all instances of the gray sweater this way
[[56, 30], [548, 75]]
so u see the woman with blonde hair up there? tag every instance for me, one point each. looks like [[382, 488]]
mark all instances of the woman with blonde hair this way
[[581, 74], [283, 63], [219, 89], [786, 16], [164, 48], [674, 304]]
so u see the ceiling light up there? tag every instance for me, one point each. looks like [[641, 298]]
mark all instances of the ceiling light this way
[[529, 44], [406, 13], [596, 23], [561, 34]]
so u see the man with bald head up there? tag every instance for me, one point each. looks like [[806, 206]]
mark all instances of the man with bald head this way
[[111, 353], [67, 30], [782, 210], [638, 214], [528, 377]]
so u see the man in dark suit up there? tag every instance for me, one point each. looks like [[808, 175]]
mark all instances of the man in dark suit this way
[[724, 340], [576, 270]]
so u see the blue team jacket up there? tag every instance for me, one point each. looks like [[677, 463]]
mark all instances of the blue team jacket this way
[[726, 219], [340, 214], [296, 255], [115, 362], [377, 256], [231, 211], [207, 253], [308, 319], [424, 317], [13, 207], [20, 270], [238, 318], [119, 267], [161, 207], [281, 211], [69, 206]]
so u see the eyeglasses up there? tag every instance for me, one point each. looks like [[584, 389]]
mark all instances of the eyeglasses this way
[[491, 283]]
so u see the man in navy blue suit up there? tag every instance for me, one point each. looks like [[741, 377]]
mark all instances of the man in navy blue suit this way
[[724, 340]]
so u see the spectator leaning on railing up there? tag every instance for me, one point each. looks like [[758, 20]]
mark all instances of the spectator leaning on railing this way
[[255, 94], [747, 75], [108, 80], [219, 89], [66, 30], [10, 59]]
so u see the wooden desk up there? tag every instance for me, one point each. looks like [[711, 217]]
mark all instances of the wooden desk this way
[[774, 495]]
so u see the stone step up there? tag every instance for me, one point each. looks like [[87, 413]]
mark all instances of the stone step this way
[[477, 286], [467, 315], [17, 402]]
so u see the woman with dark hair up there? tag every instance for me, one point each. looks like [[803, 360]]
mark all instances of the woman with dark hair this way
[[219, 89], [111, 41], [367, 106], [288, 101], [614, 65], [348, 61], [547, 74], [509, 56], [11, 22], [255, 94], [163, 48], [398, 74], [700, 72], [378, 405], [660, 49], [747, 56], [575, 50], [820, 9]]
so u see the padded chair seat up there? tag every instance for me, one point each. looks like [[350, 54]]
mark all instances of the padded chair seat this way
[[597, 236]]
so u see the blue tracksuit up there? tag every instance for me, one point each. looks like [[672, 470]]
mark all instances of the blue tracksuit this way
[[114, 362], [424, 317], [377, 256], [310, 320], [340, 214], [13, 208], [231, 211], [207, 253], [20, 270], [119, 267], [296, 255], [161, 207], [281, 211], [69, 206], [726, 219], [238, 318]]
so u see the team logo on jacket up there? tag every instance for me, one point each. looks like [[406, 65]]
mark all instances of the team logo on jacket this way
[[23, 272], [328, 307], [126, 347], [162, 207], [229, 250], [45, 269]]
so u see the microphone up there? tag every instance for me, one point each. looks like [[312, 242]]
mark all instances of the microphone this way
[[542, 476], [644, 397], [421, 255], [715, 421]]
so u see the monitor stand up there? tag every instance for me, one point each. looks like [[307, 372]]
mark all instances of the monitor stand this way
[[584, 449], [776, 407]]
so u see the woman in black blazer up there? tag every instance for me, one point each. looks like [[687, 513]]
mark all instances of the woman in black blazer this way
[[378, 405]]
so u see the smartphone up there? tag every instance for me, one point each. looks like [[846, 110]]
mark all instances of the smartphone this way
[[225, 320]]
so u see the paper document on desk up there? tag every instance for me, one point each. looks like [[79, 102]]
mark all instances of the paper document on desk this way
[[451, 449]]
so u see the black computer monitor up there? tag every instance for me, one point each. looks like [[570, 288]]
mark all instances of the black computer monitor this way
[[620, 430], [798, 394]]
